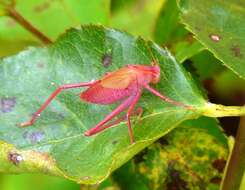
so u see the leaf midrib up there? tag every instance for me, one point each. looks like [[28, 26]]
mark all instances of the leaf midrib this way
[[51, 142]]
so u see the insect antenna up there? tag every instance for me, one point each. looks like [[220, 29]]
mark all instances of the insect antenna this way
[[154, 62]]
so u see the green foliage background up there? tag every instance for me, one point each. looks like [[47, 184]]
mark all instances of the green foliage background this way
[[193, 155]]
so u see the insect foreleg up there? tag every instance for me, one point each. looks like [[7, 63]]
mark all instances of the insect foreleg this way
[[166, 99]]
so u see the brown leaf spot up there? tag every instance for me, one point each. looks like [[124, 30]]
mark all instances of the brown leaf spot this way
[[140, 156], [189, 38], [214, 37], [7, 104], [219, 165], [41, 7], [61, 116], [114, 142], [198, 28], [236, 50], [163, 141], [176, 183], [174, 180], [107, 60], [15, 158], [40, 65], [216, 180]]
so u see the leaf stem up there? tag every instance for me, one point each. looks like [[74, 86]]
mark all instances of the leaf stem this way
[[11, 11], [236, 167], [217, 110]]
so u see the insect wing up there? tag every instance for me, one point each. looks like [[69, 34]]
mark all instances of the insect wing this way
[[120, 79]]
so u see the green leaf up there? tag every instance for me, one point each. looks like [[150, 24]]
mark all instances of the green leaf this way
[[120, 4], [206, 65], [40, 182], [6, 2], [56, 144], [170, 32], [168, 29], [127, 178], [196, 162], [44, 15], [224, 88], [185, 49], [219, 25], [3, 4], [2, 12], [137, 17], [108, 184]]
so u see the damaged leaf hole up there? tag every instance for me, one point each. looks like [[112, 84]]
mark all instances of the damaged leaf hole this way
[[15, 158], [107, 60], [7, 104], [215, 37]]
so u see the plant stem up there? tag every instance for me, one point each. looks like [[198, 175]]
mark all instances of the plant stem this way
[[216, 110], [27, 25], [236, 167]]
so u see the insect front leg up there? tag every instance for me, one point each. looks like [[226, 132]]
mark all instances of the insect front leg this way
[[51, 97], [166, 99]]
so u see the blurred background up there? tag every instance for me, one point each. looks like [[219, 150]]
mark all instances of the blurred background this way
[[156, 20]]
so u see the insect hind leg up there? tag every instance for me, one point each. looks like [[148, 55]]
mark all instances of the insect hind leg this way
[[123, 106], [138, 112], [51, 97]]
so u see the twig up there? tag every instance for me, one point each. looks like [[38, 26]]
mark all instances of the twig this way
[[236, 167], [27, 25]]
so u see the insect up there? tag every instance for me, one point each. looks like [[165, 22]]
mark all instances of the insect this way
[[125, 84]]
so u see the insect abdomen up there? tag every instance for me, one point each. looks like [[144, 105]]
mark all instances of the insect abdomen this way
[[100, 95]]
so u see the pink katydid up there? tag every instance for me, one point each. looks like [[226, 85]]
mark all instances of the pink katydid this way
[[124, 84]]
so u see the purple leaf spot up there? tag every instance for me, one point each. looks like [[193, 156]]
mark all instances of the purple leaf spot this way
[[7, 104]]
